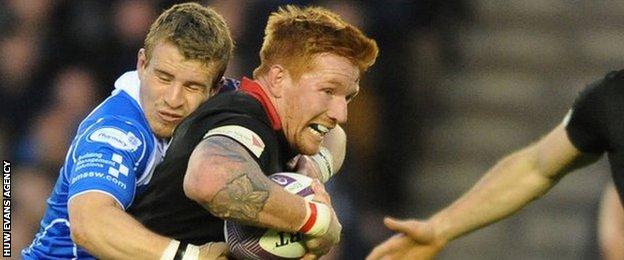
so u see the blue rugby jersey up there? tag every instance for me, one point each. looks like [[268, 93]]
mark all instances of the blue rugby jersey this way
[[114, 152]]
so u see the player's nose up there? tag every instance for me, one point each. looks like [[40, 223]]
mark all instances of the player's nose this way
[[174, 97], [338, 110]]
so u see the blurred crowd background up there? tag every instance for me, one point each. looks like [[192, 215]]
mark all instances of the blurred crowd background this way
[[457, 85]]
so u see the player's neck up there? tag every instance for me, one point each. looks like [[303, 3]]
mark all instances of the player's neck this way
[[265, 84]]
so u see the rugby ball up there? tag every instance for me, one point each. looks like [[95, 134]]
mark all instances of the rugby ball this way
[[248, 242]]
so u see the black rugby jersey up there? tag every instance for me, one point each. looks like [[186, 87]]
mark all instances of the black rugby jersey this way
[[163, 207], [596, 123]]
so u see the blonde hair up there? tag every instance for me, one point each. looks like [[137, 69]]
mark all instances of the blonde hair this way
[[197, 31], [294, 35]]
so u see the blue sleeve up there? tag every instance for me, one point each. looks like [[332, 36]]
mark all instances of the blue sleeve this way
[[108, 157]]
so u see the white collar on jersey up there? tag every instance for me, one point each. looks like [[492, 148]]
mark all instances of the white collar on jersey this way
[[130, 83]]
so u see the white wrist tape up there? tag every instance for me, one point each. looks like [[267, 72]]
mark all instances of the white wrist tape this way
[[325, 163], [318, 217], [171, 250], [192, 252]]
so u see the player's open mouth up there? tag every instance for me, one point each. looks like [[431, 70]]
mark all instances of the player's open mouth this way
[[318, 130]]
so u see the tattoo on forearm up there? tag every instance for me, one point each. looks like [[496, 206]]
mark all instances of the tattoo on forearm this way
[[241, 199], [245, 192]]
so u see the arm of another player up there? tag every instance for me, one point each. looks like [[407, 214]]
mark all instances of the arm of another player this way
[[102, 183], [100, 225], [511, 184], [336, 143], [224, 178], [611, 225]]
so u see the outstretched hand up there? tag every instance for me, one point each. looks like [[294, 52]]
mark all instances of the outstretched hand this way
[[416, 240]]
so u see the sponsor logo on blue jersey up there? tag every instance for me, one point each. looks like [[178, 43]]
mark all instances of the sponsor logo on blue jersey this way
[[116, 138]]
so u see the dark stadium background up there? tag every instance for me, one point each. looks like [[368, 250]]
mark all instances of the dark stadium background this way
[[458, 84]]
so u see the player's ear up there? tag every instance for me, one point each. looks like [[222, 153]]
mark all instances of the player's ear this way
[[277, 77], [141, 62]]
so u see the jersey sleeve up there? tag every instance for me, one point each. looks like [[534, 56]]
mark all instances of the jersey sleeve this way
[[587, 121], [250, 133], [107, 158]]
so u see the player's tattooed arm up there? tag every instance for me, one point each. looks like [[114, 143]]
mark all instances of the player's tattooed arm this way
[[240, 199], [245, 193], [224, 178]]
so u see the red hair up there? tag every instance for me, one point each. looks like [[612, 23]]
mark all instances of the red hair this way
[[293, 36]]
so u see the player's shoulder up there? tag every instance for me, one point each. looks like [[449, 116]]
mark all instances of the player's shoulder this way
[[119, 104], [116, 124], [115, 135], [614, 75], [234, 103], [227, 108], [119, 110], [613, 78], [611, 85], [235, 114]]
